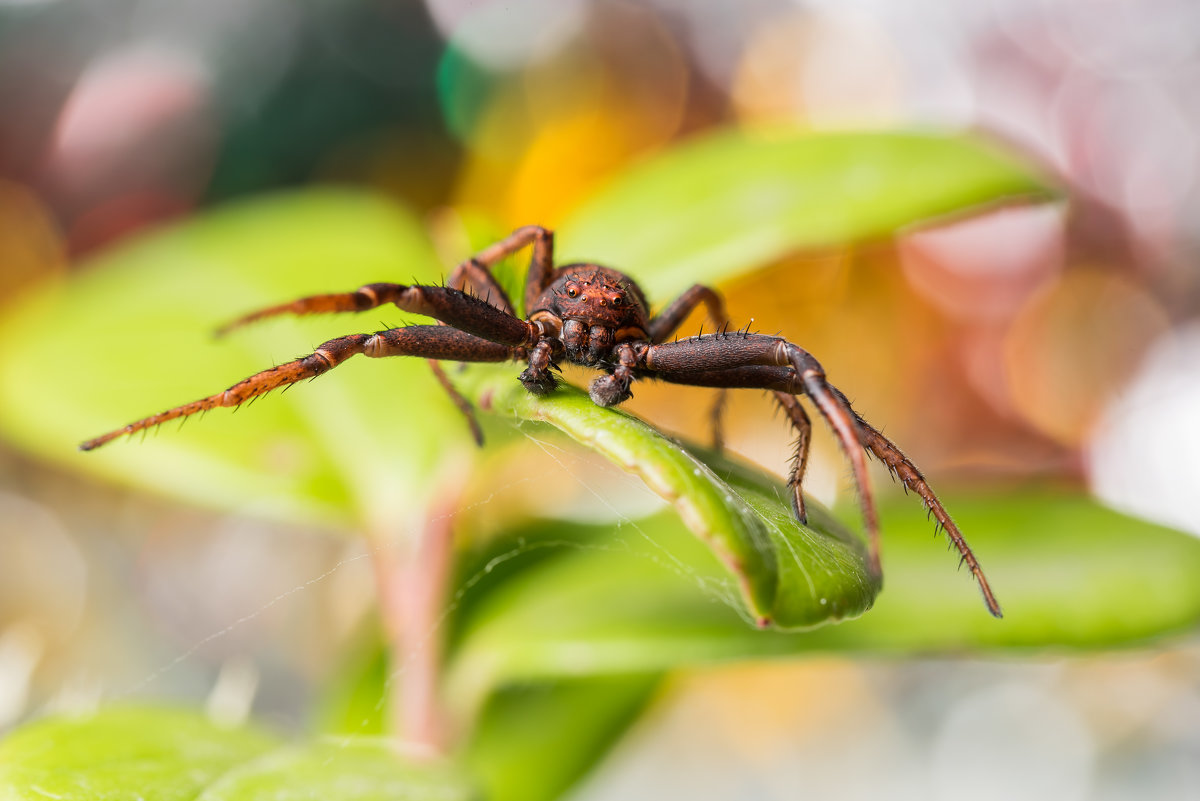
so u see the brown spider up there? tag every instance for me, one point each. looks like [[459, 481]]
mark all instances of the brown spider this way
[[594, 316]]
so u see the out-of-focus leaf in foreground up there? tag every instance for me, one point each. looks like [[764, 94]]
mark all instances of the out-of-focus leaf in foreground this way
[[528, 741], [534, 741], [1070, 573], [342, 769], [132, 334], [164, 754], [727, 203], [169, 754]]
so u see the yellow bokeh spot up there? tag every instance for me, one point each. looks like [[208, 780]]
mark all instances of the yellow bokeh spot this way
[[31, 246]]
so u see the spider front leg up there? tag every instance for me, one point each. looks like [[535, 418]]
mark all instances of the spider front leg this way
[[537, 377], [667, 322], [611, 389], [725, 351], [429, 341], [450, 306]]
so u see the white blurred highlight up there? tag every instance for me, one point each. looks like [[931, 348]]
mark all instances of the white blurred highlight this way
[[1145, 455], [986, 267], [21, 648], [853, 75], [1013, 741], [508, 35], [232, 696]]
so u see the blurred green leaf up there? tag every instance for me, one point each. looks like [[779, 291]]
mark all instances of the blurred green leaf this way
[[534, 742], [529, 742], [730, 202], [169, 754], [342, 769], [164, 754], [132, 335], [354, 701], [1069, 572]]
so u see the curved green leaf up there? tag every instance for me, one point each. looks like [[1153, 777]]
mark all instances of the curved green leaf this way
[[164, 754], [788, 575], [1069, 572], [730, 202], [132, 335]]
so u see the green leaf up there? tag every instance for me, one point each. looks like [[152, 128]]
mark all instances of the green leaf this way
[[163, 754], [787, 574], [168, 754], [1069, 572], [533, 742], [132, 335], [730, 202], [529, 742], [342, 769]]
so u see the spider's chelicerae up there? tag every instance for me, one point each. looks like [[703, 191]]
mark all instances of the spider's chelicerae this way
[[594, 316]]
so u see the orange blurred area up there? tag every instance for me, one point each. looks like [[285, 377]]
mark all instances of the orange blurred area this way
[[31, 246], [1075, 345]]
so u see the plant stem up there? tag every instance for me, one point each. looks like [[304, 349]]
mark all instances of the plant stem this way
[[412, 592]]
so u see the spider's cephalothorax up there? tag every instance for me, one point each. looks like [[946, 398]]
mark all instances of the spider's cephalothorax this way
[[592, 308], [598, 317]]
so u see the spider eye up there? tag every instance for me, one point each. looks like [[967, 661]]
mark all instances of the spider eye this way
[[572, 292]]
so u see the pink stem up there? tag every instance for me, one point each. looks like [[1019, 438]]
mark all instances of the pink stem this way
[[412, 594]]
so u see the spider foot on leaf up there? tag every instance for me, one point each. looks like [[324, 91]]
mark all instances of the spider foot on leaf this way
[[539, 382], [609, 390]]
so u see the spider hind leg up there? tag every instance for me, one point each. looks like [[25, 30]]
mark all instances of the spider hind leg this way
[[757, 361]]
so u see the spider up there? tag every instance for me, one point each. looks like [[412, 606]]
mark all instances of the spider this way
[[590, 315]]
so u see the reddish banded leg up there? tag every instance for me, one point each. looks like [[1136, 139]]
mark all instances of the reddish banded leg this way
[[429, 341]]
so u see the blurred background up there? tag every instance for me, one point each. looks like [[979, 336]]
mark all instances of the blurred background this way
[[1046, 344]]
